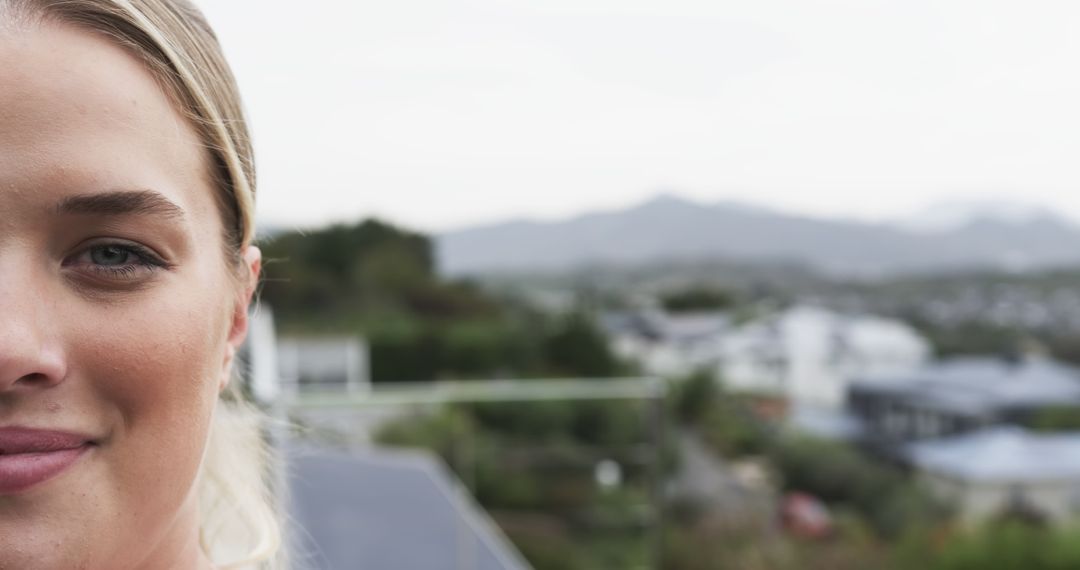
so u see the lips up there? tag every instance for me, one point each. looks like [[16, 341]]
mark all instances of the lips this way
[[29, 456]]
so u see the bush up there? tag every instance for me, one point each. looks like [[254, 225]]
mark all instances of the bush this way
[[1057, 419], [841, 476], [999, 545], [576, 347], [699, 299], [694, 396]]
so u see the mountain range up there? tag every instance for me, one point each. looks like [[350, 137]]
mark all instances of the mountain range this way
[[669, 228]]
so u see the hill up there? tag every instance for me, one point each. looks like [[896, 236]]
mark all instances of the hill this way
[[673, 228]]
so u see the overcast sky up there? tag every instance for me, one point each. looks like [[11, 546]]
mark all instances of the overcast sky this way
[[444, 113]]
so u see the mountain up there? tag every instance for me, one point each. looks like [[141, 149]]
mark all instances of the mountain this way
[[669, 227], [954, 214]]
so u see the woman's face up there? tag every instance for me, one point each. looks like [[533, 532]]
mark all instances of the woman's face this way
[[118, 311]]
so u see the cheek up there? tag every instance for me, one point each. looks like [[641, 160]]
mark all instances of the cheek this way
[[163, 357], [150, 369]]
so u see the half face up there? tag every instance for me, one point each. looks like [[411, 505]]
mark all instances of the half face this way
[[117, 308]]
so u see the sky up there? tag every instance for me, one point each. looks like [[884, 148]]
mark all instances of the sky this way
[[440, 114]]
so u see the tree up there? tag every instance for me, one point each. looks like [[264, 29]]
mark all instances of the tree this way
[[698, 298], [576, 347]]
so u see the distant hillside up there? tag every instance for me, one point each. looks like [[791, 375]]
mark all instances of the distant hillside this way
[[668, 227]]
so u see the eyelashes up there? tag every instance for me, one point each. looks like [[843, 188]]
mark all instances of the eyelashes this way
[[117, 261]]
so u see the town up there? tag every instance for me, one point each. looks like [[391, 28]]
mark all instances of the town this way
[[696, 426]]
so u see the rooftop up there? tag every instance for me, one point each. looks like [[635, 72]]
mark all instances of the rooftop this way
[[1003, 454], [978, 384], [389, 509]]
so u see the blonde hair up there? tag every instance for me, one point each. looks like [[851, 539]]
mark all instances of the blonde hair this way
[[239, 526]]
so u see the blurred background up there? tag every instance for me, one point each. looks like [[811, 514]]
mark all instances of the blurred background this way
[[686, 285]]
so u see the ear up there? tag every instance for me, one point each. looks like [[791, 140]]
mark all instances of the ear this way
[[238, 324]]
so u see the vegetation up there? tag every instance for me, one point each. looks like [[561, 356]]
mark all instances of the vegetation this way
[[378, 281], [883, 496], [877, 493], [698, 298], [725, 420], [533, 466], [997, 545], [1000, 545], [1056, 419], [883, 519], [971, 338]]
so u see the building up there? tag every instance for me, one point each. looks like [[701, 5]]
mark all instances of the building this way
[[354, 506], [805, 355], [958, 396], [323, 364], [808, 354], [667, 344], [378, 508], [1003, 471]]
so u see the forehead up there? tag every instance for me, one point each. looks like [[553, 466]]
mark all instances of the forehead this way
[[80, 114]]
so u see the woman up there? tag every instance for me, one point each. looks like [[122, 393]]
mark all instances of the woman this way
[[126, 271]]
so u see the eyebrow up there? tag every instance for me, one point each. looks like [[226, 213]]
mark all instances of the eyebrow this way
[[119, 203]]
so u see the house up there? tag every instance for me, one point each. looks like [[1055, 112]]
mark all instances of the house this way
[[805, 354], [667, 344], [1003, 471], [809, 354], [960, 395], [360, 507], [323, 363], [273, 364]]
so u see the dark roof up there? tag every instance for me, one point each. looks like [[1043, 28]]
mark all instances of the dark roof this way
[[687, 327], [384, 509], [974, 385]]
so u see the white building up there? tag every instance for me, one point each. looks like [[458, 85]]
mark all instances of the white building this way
[[295, 364], [323, 363], [668, 344], [809, 354], [1006, 469], [804, 354]]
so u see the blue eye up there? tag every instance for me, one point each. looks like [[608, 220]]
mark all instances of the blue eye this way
[[117, 261], [110, 255]]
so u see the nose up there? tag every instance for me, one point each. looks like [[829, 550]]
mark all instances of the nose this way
[[30, 357], [28, 367]]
